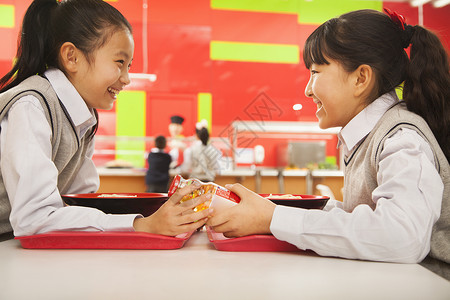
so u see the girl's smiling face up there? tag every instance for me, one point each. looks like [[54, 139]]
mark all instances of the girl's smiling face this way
[[100, 80], [333, 91]]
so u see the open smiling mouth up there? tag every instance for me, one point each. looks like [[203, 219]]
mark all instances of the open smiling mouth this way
[[319, 106], [114, 92]]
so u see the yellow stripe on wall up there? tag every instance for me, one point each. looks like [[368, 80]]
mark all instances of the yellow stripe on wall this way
[[7, 19], [271, 6], [254, 52], [131, 127], [204, 108], [318, 11]]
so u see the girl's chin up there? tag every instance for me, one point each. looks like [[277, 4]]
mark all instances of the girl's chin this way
[[109, 107], [323, 124]]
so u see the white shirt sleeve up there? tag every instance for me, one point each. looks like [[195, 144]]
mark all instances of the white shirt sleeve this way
[[408, 203], [87, 179], [30, 178]]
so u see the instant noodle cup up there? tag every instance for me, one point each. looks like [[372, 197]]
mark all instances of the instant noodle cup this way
[[221, 197]]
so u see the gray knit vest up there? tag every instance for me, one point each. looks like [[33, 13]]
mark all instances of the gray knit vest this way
[[362, 165], [68, 150]]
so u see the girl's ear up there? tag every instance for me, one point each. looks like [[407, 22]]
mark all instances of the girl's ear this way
[[69, 57], [365, 81]]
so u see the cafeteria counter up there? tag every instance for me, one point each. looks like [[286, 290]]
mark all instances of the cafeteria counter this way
[[260, 180], [199, 271]]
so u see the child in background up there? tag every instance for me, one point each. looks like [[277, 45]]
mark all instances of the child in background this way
[[397, 183], [82, 51], [157, 176]]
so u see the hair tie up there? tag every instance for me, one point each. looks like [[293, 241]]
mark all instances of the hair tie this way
[[400, 21], [407, 35], [396, 18], [202, 124]]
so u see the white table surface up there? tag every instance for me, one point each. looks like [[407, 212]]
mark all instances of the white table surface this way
[[198, 271]]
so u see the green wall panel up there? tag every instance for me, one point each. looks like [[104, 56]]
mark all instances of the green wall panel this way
[[319, 11], [254, 52], [130, 127], [204, 108], [7, 16], [275, 6], [309, 12]]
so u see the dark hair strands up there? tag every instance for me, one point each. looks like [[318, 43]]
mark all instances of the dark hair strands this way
[[203, 135], [371, 37], [34, 45], [48, 24], [427, 84], [160, 142]]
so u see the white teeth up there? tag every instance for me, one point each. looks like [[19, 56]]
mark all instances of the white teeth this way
[[113, 91], [319, 107]]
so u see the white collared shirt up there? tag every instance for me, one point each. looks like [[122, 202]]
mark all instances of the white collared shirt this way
[[30, 176], [408, 202]]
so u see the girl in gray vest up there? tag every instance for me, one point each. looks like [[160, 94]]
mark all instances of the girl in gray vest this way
[[81, 51], [396, 196]]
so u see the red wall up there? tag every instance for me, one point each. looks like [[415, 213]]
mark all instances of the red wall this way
[[179, 33]]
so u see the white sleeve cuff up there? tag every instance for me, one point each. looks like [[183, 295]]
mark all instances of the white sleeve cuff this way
[[120, 222], [287, 224]]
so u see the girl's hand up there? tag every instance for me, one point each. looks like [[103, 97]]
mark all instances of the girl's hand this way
[[173, 217], [251, 216]]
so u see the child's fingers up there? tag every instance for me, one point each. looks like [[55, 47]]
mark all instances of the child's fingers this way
[[239, 190], [195, 217], [192, 226], [191, 203], [247, 195], [222, 218], [226, 229], [181, 192]]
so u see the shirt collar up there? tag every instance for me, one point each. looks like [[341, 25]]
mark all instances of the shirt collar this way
[[360, 126], [82, 117]]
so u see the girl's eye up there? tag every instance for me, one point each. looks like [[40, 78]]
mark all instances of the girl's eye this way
[[314, 72], [121, 61]]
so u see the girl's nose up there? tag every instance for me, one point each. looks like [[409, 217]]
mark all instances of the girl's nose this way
[[125, 78], [308, 90]]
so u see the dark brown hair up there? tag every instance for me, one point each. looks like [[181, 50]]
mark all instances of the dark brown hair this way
[[371, 37], [48, 24], [160, 142], [203, 135]]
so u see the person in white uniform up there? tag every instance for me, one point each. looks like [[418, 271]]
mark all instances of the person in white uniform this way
[[201, 158]]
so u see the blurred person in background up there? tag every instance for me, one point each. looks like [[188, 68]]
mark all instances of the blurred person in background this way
[[176, 142], [157, 176], [201, 158]]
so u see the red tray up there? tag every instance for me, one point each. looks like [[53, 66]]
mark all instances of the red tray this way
[[251, 243], [102, 240]]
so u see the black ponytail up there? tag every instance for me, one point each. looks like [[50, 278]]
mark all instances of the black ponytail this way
[[48, 24], [427, 84], [35, 43], [373, 38], [203, 135]]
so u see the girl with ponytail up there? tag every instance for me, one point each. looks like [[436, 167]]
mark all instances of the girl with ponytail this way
[[396, 205], [73, 58], [201, 158]]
